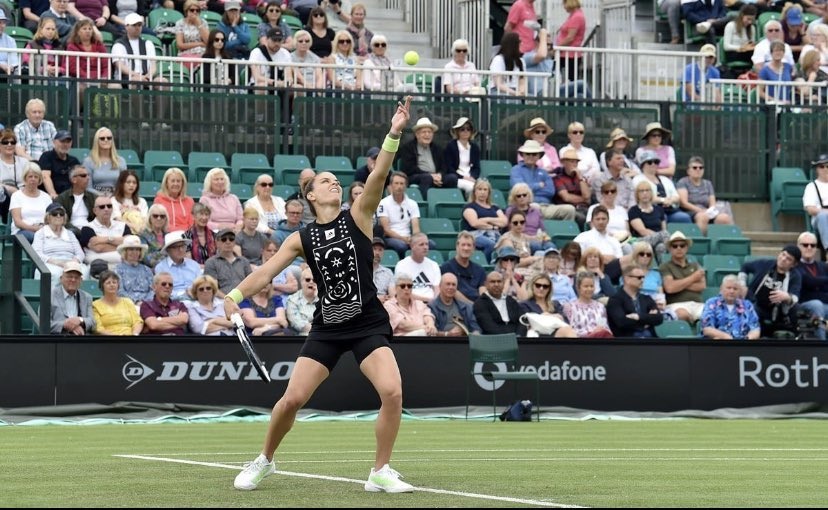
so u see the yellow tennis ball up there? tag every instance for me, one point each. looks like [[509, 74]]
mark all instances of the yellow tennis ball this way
[[411, 58]]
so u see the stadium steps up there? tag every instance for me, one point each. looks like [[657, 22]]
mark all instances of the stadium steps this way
[[390, 23], [768, 244]]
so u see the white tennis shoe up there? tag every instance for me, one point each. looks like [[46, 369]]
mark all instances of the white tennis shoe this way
[[253, 473], [386, 480]]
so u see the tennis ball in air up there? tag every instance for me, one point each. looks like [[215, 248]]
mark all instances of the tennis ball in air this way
[[411, 58]]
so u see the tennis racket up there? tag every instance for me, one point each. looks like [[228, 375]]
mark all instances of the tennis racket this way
[[247, 345]]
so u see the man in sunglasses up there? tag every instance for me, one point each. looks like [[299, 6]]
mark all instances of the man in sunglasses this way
[[762, 53], [684, 281], [227, 268], [301, 305], [631, 313], [814, 295], [183, 270], [164, 315], [102, 236], [78, 201]]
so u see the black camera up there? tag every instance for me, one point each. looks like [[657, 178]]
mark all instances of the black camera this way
[[807, 325]]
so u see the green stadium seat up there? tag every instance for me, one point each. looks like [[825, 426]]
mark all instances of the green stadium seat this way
[[786, 188], [345, 176], [252, 19], [333, 163], [212, 18], [161, 17], [441, 231], [158, 162], [133, 161], [80, 153], [293, 22], [283, 191], [243, 191], [361, 161], [390, 259], [448, 200], [249, 166], [674, 329], [728, 240], [561, 231], [91, 286], [22, 36], [284, 161], [497, 172], [435, 255], [719, 266], [290, 176], [499, 199], [763, 20], [478, 257], [194, 190], [200, 163], [414, 194], [148, 190]]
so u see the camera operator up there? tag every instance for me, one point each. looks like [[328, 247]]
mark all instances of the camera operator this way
[[814, 295], [774, 291]]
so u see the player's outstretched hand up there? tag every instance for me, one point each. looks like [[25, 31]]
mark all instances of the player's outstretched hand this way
[[230, 307], [402, 116]]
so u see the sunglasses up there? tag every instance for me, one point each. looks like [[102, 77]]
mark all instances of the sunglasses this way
[[808, 245], [657, 133], [219, 39], [519, 222], [465, 128], [104, 206], [678, 245], [193, 10], [637, 277], [228, 239], [522, 195], [645, 254], [773, 30], [576, 132], [159, 216], [205, 289], [611, 192], [461, 50], [266, 184], [104, 138], [542, 285], [82, 176], [319, 15], [540, 131], [304, 41], [274, 10], [405, 285], [344, 41], [166, 284], [308, 280], [380, 45], [696, 168], [8, 142], [57, 213]]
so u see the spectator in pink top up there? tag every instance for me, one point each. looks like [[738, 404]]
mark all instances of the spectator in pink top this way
[[226, 208], [572, 33], [523, 20]]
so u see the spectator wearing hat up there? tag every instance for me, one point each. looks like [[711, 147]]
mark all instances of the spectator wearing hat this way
[[136, 278], [495, 311], [462, 155], [709, 17], [71, 306], [28, 204], [815, 199], [225, 266], [424, 271], [399, 216], [762, 51], [794, 28], [56, 245], [471, 278], [728, 316], [101, 238], [656, 138], [9, 62], [774, 289], [383, 277], [455, 81], [56, 164], [114, 314], [163, 314], [506, 262], [182, 270], [270, 76], [664, 191], [362, 172], [35, 135], [739, 38], [619, 141], [571, 187], [236, 31], [697, 77], [620, 175], [78, 201], [539, 181], [452, 317], [683, 280], [588, 164], [422, 160], [539, 131]]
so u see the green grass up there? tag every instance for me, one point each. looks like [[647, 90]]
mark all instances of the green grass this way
[[681, 463]]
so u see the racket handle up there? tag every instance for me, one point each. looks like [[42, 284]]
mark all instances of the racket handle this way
[[237, 320]]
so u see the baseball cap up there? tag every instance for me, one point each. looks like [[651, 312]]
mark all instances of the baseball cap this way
[[275, 34], [794, 17], [378, 240], [225, 231], [232, 4], [63, 135], [3, 15], [73, 266], [372, 153], [133, 18], [550, 251], [54, 206]]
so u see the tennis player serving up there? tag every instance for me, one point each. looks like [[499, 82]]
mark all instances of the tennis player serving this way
[[348, 316]]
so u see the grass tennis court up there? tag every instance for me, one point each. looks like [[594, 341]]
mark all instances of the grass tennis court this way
[[677, 463]]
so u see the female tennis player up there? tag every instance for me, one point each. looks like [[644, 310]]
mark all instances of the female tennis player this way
[[348, 316]]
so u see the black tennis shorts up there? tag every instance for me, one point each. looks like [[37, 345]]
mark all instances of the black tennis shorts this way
[[329, 352]]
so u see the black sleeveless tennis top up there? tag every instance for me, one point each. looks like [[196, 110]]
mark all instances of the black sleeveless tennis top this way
[[341, 256]]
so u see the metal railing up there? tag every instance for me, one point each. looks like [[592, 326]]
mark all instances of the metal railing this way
[[14, 303]]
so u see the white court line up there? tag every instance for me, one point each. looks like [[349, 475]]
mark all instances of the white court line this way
[[283, 453], [359, 482]]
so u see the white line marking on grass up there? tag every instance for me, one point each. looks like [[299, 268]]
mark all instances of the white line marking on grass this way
[[283, 453], [359, 482]]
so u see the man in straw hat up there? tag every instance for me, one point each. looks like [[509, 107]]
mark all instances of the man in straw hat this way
[[571, 186], [618, 141], [539, 131], [422, 160], [540, 182], [815, 199], [182, 269], [683, 280]]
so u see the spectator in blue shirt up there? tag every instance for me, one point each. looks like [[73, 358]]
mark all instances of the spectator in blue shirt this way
[[776, 70], [8, 61], [692, 80], [527, 171]]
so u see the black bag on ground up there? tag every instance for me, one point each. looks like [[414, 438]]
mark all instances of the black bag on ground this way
[[519, 411]]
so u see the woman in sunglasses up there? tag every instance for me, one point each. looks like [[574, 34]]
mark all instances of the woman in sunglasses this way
[[191, 33], [103, 162], [155, 229], [463, 154], [272, 18], [520, 200], [56, 245], [271, 208], [11, 170], [588, 164], [346, 76], [322, 36], [456, 82], [516, 237], [540, 301], [206, 312]]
